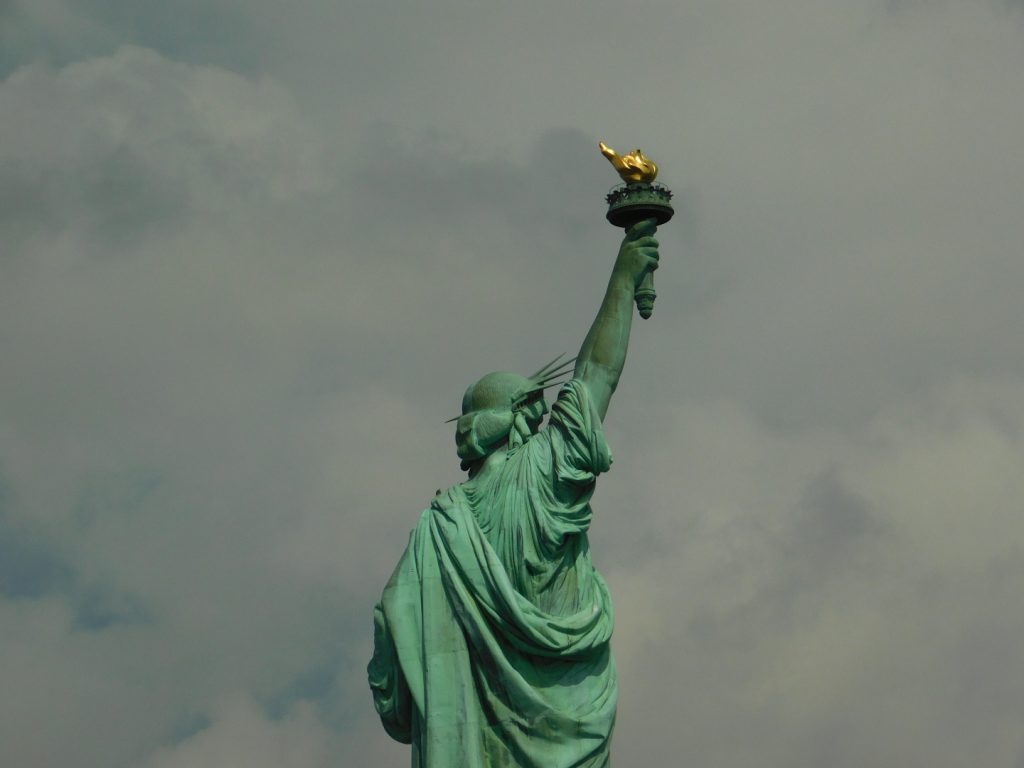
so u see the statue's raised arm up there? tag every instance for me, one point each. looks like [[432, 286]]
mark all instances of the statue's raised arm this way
[[603, 353]]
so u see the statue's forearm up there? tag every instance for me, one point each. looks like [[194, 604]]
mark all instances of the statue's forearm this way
[[603, 353]]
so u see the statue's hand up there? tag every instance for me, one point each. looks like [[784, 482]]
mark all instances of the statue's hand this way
[[638, 254]]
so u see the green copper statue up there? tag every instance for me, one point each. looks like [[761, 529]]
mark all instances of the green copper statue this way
[[491, 643]]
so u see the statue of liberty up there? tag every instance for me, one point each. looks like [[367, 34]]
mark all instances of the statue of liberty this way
[[491, 642]]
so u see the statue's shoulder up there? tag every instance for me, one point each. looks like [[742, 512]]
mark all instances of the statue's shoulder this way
[[452, 496]]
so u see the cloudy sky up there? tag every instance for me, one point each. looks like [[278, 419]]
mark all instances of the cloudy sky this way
[[251, 254]]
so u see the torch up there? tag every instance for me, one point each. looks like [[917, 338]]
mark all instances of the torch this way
[[636, 199]]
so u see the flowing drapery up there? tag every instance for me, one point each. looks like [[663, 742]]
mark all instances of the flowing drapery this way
[[492, 635]]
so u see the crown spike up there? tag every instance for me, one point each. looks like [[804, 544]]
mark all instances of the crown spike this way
[[553, 370], [547, 367]]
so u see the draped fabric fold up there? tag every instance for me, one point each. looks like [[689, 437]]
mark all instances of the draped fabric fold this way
[[492, 635]]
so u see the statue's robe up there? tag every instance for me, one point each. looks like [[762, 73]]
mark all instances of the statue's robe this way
[[492, 635]]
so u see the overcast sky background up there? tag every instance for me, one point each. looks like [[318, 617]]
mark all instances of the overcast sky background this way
[[251, 254]]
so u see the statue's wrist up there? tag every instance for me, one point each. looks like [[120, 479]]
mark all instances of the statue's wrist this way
[[622, 281]]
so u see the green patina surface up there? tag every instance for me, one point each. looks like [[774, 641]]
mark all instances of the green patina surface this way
[[491, 643]]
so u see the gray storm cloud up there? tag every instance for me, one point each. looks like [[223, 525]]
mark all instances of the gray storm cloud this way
[[249, 265]]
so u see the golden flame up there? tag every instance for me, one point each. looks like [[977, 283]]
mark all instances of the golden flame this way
[[634, 167]]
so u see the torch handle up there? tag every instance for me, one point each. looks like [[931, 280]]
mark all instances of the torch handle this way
[[645, 295]]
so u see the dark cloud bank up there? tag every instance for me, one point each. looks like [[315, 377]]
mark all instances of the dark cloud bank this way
[[241, 292]]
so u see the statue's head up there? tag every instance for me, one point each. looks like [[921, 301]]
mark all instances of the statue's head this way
[[497, 409], [503, 408], [495, 390]]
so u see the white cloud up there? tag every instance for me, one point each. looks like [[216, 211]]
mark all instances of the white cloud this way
[[135, 285], [240, 734], [830, 598]]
